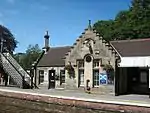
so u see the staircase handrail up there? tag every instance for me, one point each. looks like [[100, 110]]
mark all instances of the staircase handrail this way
[[17, 65], [12, 65]]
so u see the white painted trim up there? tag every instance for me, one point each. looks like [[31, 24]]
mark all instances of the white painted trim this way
[[140, 61]]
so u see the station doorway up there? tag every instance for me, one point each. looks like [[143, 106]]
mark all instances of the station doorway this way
[[51, 79], [132, 80]]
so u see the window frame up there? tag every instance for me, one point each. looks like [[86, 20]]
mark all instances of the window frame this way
[[81, 83], [41, 76], [62, 80]]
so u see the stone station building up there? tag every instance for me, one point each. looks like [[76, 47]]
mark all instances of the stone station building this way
[[107, 67]]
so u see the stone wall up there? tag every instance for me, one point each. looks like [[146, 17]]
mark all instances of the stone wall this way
[[100, 51], [46, 75]]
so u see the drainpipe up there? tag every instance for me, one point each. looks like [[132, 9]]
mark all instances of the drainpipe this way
[[116, 78], [35, 75], [32, 75]]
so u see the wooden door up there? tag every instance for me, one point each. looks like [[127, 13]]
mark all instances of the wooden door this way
[[51, 79]]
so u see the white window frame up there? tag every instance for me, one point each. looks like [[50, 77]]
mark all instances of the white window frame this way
[[81, 83], [80, 68], [95, 85], [96, 67], [41, 75]]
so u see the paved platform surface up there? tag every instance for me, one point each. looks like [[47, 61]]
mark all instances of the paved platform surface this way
[[136, 100]]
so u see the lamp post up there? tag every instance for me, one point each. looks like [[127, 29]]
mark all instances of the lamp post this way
[[33, 74]]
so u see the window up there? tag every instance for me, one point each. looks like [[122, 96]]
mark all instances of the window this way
[[81, 64], [62, 76], [88, 59], [96, 64], [96, 77], [81, 72], [143, 77], [41, 76], [81, 77], [110, 76]]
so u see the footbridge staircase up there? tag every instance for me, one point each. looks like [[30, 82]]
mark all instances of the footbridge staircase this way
[[12, 68]]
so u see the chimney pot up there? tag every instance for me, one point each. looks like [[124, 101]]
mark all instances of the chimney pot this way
[[46, 46]]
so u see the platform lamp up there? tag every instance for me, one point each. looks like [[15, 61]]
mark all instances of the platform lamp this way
[[32, 72]]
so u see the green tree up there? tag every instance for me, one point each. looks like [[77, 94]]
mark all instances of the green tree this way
[[105, 28], [129, 24], [7, 40], [19, 58], [32, 53], [29, 57]]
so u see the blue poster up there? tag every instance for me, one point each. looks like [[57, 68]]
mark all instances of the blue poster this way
[[103, 78]]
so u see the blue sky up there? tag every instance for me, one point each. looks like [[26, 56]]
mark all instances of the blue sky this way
[[64, 19]]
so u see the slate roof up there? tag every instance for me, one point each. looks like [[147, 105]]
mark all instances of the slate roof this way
[[126, 48], [54, 57], [136, 47]]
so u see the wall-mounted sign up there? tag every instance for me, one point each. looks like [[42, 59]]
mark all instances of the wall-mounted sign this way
[[103, 80]]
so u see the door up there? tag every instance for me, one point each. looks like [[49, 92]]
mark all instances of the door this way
[[133, 79], [138, 80], [51, 79], [121, 81]]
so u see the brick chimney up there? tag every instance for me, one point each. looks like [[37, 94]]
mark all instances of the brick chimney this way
[[46, 44]]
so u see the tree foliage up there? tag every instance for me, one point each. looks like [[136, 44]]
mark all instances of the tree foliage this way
[[29, 57], [129, 24], [7, 40]]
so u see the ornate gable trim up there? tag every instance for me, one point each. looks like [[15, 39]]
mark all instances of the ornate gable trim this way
[[108, 44]]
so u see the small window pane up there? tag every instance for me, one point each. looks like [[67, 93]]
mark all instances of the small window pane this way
[[96, 77], [81, 77], [62, 76], [80, 64], [41, 76], [96, 64]]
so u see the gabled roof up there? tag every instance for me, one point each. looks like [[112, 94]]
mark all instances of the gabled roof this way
[[136, 47], [54, 57]]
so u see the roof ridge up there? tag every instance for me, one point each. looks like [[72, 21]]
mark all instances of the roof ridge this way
[[57, 47], [132, 40]]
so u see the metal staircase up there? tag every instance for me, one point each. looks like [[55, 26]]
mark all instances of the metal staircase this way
[[15, 71]]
